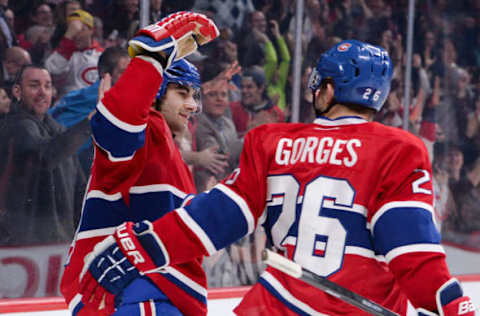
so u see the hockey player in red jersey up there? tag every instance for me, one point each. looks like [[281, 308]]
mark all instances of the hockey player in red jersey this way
[[347, 198], [137, 165]]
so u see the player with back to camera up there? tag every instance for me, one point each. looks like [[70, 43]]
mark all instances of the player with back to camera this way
[[347, 198], [137, 165]]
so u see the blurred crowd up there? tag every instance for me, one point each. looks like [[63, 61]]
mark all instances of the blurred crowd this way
[[46, 150]]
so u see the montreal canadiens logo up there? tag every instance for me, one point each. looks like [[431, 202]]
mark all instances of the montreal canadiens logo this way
[[89, 75], [344, 47]]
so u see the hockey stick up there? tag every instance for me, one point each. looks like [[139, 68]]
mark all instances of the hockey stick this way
[[295, 270]]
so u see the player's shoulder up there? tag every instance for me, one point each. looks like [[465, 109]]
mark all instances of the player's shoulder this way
[[396, 136], [278, 128]]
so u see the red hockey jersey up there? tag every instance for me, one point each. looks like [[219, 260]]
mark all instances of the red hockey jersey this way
[[137, 174], [348, 199]]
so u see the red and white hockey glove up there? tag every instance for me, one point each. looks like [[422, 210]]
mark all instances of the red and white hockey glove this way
[[173, 37], [132, 251], [451, 301]]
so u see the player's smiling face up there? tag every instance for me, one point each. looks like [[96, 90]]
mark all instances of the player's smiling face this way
[[177, 106]]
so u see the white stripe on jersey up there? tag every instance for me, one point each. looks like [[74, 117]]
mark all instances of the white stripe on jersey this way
[[138, 190], [96, 233], [363, 252], [411, 311], [286, 295], [118, 123], [117, 196], [347, 120], [241, 204], [77, 299], [158, 188], [110, 156], [104, 196], [187, 199], [194, 227], [152, 61], [349, 250], [186, 280], [152, 307], [356, 208], [400, 204], [413, 248]]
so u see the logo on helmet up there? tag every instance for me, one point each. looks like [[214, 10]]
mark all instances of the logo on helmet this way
[[344, 47]]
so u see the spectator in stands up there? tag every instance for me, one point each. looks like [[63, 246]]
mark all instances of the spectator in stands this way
[[224, 53], [443, 197], [156, 13], [39, 29], [15, 58], [5, 102], [76, 105], [5, 161], [9, 17], [62, 11], [216, 130], [472, 131], [277, 66], [98, 31], [464, 184], [45, 186], [392, 112], [120, 15], [36, 41], [463, 101], [306, 114], [231, 14], [239, 263], [429, 53], [73, 64], [42, 15], [7, 34], [251, 43], [255, 108]]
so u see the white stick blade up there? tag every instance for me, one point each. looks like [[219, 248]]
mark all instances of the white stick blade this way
[[281, 263]]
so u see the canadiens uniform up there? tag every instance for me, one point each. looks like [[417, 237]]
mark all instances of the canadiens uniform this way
[[348, 199], [137, 174], [74, 69]]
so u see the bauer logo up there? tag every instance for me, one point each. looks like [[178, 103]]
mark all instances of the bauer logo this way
[[344, 47]]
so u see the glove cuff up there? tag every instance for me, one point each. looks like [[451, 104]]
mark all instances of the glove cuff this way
[[152, 243], [146, 46], [146, 258], [450, 300]]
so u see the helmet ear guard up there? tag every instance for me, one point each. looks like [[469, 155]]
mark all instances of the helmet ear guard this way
[[361, 73]]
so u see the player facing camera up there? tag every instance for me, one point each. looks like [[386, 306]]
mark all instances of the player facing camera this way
[[352, 74], [179, 96]]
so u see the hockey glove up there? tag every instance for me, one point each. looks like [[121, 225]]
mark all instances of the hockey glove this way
[[173, 37], [451, 301], [132, 251]]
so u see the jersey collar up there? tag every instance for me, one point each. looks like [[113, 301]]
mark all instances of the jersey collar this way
[[339, 121]]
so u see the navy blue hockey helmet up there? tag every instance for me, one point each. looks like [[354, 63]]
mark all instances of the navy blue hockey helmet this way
[[361, 73], [183, 73]]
